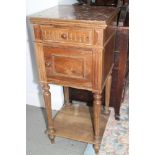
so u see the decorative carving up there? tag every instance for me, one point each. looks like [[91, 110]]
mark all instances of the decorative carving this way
[[67, 35], [77, 65], [40, 61], [97, 113], [47, 100], [37, 32]]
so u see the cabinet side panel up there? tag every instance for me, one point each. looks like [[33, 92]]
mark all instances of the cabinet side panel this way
[[108, 58]]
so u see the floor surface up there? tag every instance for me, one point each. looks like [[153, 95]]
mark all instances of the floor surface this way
[[38, 142]]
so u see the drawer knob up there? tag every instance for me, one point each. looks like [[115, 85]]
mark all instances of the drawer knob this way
[[48, 64], [63, 36]]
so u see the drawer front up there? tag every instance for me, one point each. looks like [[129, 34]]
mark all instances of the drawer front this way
[[67, 35], [68, 65]]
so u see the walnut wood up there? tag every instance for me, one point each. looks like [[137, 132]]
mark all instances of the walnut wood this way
[[96, 115], [66, 96], [47, 100], [40, 61], [107, 93], [69, 73], [78, 123], [75, 48]]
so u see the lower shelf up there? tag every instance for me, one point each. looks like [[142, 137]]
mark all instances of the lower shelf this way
[[76, 123]]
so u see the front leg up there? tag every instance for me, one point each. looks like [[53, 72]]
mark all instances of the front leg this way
[[47, 100], [97, 114]]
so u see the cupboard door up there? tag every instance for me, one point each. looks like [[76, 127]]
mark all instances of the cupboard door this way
[[68, 65]]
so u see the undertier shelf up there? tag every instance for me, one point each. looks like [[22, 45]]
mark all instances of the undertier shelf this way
[[76, 123]]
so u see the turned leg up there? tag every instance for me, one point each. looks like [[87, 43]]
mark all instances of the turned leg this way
[[97, 113], [47, 100], [107, 93], [66, 96]]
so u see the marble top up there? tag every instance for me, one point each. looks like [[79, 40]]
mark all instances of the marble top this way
[[76, 12]]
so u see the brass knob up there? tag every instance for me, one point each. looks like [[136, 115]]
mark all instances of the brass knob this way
[[63, 36], [48, 64]]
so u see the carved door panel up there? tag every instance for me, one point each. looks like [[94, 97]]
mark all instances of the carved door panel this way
[[70, 65]]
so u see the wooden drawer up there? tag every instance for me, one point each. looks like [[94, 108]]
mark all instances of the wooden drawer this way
[[67, 35], [68, 65]]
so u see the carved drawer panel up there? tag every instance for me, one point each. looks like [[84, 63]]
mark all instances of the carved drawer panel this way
[[68, 65], [67, 35]]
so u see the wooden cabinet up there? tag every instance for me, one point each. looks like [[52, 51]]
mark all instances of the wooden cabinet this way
[[74, 47]]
